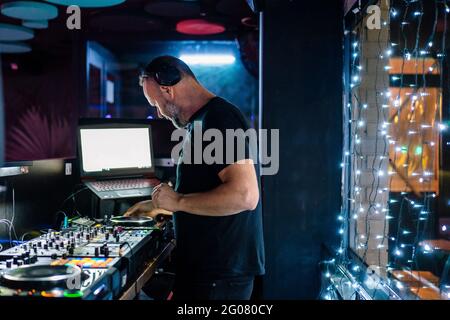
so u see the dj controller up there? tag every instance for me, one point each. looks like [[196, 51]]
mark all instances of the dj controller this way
[[84, 261]]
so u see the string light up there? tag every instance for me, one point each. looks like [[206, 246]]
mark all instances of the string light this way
[[367, 190]]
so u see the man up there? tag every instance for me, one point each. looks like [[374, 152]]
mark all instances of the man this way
[[216, 212]]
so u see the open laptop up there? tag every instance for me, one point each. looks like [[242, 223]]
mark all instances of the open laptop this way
[[116, 160]]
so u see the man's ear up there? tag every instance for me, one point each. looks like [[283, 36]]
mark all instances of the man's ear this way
[[166, 90]]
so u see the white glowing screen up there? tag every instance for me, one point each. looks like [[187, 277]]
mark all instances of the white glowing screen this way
[[115, 148]]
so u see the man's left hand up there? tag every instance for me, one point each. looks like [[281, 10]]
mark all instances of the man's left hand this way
[[164, 197]]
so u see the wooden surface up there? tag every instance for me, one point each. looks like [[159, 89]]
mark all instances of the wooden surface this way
[[440, 244], [424, 284]]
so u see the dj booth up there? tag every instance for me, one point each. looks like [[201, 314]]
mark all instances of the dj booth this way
[[87, 260], [103, 256]]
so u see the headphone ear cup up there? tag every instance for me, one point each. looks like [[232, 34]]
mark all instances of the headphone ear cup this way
[[168, 76]]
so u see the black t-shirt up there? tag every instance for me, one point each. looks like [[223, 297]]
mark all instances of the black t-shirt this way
[[211, 248]]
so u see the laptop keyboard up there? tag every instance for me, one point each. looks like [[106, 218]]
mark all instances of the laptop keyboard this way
[[126, 184]]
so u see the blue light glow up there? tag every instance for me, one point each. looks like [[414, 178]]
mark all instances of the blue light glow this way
[[208, 59]]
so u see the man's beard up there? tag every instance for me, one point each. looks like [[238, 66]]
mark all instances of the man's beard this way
[[175, 116]]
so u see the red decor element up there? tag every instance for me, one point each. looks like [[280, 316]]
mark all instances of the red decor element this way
[[199, 27]]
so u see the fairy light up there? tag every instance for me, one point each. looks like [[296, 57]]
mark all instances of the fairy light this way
[[366, 198]]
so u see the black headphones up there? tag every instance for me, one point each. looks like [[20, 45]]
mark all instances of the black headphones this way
[[164, 74]]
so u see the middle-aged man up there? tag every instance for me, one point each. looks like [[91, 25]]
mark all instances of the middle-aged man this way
[[216, 211]]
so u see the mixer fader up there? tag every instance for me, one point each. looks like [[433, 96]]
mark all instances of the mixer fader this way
[[87, 242]]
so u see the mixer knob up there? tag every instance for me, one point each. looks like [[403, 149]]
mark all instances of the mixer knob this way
[[106, 252], [71, 250], [39, 244], [54, 256], [56, 247], [35, 250], [50, 244], [64, 255], [45, 246], [9, 263], [20, 262], [33, 259], [117, 238], [26, 261], [87, 237], [96, 251], [106, 236], [58, 238], [15, 259]]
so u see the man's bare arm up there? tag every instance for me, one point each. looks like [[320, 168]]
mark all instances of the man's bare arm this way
[[238, 192]]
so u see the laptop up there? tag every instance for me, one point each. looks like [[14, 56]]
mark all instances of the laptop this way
[[116, 160]]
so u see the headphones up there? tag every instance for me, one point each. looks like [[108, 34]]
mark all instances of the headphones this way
[[164, 74]]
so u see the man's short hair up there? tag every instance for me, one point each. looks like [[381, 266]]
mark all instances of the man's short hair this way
[[167, 70]]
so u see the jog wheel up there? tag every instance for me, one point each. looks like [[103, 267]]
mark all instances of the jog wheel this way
[[43, 277]]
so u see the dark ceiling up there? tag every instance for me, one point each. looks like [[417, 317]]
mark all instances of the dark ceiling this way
[[149, 20]]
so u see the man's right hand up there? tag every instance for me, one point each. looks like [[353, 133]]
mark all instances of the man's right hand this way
[[145, 208]]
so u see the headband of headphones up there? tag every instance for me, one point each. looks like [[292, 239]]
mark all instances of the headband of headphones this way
[[163, 73]]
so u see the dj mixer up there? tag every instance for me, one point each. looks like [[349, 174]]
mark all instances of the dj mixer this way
[[83, 261]]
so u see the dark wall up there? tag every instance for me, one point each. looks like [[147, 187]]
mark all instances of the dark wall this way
[[40, 108], [38, 196], [301, 96]]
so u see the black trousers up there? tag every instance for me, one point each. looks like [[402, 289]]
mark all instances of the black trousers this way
[[226, 289]]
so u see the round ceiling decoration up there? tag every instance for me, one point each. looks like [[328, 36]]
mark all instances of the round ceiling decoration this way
[[29, 10], [199, 27], [10, 32], [14, 47], [173, 8], [88, 3], [35, 24]]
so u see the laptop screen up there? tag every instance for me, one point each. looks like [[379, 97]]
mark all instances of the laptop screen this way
[[115, 150]]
